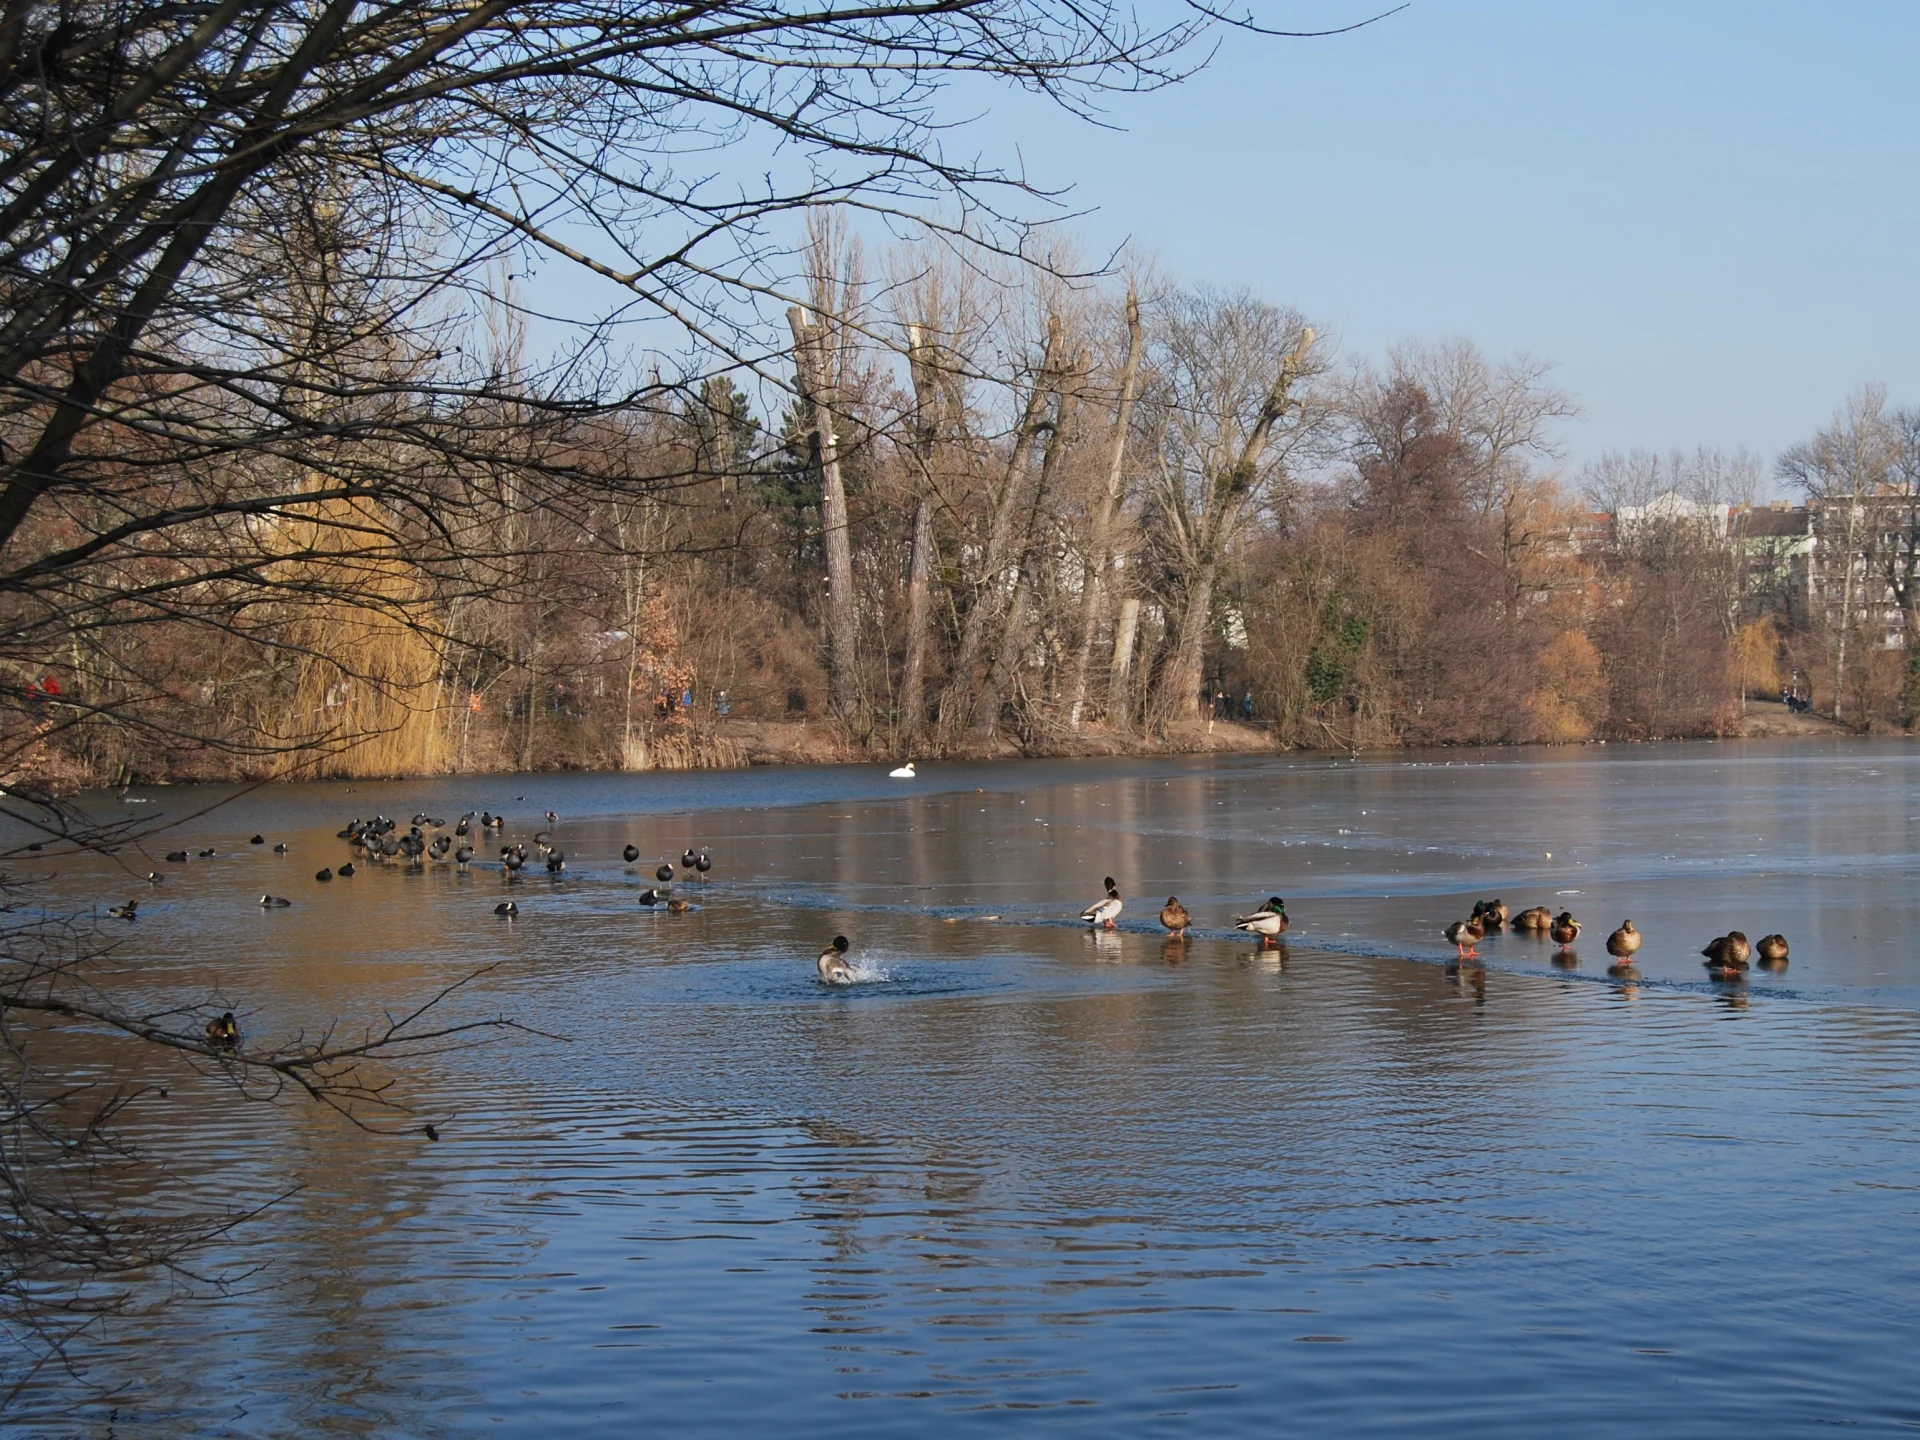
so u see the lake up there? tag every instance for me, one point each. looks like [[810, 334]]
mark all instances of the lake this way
[[1096, 1179]]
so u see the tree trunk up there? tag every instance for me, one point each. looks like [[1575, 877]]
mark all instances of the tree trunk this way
[[812, 372], [1014, 637], [1119, 712], [1093, 581], [913, 683]]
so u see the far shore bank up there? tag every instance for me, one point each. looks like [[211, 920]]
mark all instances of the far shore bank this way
[[741, 744]]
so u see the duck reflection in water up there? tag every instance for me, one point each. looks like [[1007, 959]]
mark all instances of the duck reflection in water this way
[[1565, 959], [1105, 944], [1173, 949], [1469, 976], [1269, 955]]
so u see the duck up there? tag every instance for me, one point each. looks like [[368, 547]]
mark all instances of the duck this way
[[1727, 955], [1466, 934], [677, 906], [463, 824], [1104, 912], [833, 965], [1269, 922], [323, 875], [1537, 919], [553, 817], [1624, 943], [1492, 914], [346, 870], [904, 772], [630, 854], [1773, 950], [1174, 916], [128, 911], [274, 902], [1730, 949], [223, 1031], [665, 873], [1565, 929], [507, 908]]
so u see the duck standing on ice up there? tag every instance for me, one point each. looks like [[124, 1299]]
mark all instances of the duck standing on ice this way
[[1104, 912]]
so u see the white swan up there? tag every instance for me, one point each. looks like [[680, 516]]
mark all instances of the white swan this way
[[905, 772]]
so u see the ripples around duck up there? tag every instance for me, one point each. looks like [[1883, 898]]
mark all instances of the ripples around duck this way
[[1110, 1181]]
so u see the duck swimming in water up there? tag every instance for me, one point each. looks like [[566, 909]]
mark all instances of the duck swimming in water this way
[[223, 1031], [1467, 934], [1565, 929], [1269, 922], [1104, 912], [833, 965], [126, 911], [677, 906], [1174, 916], [1534, 920], [651, 897], [1624, 943]]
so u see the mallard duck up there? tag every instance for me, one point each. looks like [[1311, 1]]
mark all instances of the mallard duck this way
[[1269, 922], [630, 854], [1492, 914], [834, 967], [507, 908], [1624, 943], [323, 875], [1565, 929], [1467, 934], [274, 902], [905, 772], [665, 873], [223, 1031], [677, 906], [1174, 915], [1104, 912], [1728, 953], [1773, 949], [126, 911], [1537, 919]]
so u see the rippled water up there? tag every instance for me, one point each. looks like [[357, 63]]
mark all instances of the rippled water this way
[[1119, 1183]]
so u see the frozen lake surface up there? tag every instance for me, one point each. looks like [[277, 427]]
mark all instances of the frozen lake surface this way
[[1333, 1188]]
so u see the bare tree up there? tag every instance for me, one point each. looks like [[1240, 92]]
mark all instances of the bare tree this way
[[1231, 369]]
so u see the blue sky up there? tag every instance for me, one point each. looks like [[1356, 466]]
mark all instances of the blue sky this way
[[1705, 214]]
